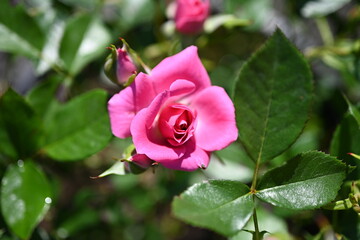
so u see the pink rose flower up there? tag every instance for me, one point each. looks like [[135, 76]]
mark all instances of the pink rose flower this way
[[125, 66], [174, 115], [190, 15]]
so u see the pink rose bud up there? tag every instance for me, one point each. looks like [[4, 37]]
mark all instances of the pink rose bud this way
[[190, 15], [119, 66], [138, 164], [125, 66]]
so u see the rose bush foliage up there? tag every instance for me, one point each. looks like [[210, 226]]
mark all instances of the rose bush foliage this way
[[174, 116]]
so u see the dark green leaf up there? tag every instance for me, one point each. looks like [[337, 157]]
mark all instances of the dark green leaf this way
[[79, 220], [19, 33], [354, 112], [221, 205], [79, 128], [25, 197], [20, 128], [85, 4], [307, 181], [272, 98], [346, 140], [43, 95], [85, 38]]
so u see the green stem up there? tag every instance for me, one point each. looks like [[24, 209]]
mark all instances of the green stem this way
[[325, 31], [339, 205], [254, 181], [257, 235], [63, 93]]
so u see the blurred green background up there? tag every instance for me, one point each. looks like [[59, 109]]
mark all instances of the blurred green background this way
[[49, 43]]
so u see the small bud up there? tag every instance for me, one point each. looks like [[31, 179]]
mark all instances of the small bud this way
[[119, 67], [138, 164]]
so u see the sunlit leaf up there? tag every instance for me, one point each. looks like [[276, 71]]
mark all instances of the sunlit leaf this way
[[258, 12], [85, 38], [135, 12], [307, 181], [79, 128], [118, 169], [272, 98], [321, 8], [221, 205], [226, 20], [50, 52], [25, 197], [19, 33]]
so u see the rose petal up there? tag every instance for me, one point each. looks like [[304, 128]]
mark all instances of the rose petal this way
[[146, 137], [181, 86], [184, 65], [148, 140], [121, 112], [216, 126], [123, 106], [194, 158]]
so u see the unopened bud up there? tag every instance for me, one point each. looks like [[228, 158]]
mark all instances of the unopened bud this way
[[119, 67], [138, 164]]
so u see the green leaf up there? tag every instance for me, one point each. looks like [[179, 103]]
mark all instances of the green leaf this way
[[322, 8], [135, 12], [221, 205], [19, 33], [307, 181], [79, 128], [272, 98], [82, 4], [43, 95], [118, 169], [258, 12], [353, 111], [50, 51], [227, 20], [20, 133], [25, 197], [346, 140], [85, 38]]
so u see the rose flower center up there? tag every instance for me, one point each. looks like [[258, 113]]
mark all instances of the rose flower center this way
[[177, 124]]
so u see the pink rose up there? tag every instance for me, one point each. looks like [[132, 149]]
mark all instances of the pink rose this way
[[125, 66], [174, 115], [190, 15]]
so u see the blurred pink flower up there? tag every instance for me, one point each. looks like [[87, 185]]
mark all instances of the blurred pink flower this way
[[190, 15], [125, 66], [174, 115]]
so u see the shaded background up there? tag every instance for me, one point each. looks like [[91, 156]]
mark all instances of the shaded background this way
[[135, 207]]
